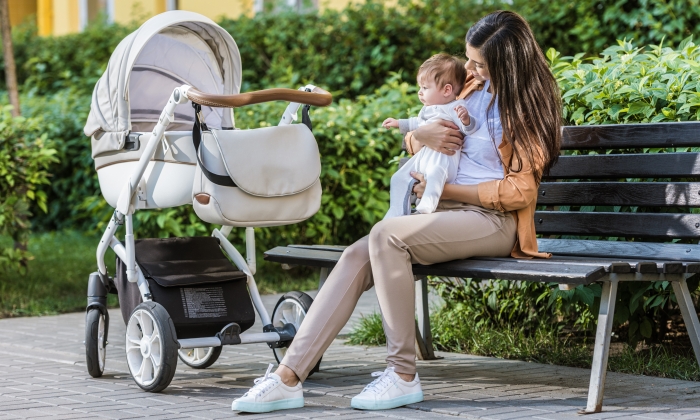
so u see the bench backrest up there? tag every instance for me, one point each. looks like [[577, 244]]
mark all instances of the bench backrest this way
[[610, 159]]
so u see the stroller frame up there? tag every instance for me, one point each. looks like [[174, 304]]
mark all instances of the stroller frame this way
[[100, 283]]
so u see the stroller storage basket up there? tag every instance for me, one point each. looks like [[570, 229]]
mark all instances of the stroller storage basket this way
[[193, 280]]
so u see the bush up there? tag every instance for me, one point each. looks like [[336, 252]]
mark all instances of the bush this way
[[589, 26], [25, 154], [351, 52], [630, 84], [75, 61], [63, 115]]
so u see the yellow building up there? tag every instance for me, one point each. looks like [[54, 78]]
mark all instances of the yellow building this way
[[59, 17]]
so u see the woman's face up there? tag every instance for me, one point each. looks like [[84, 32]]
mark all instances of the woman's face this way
[[476, 64]]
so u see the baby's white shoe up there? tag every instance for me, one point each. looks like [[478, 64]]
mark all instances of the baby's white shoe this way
[[270, 394], [388, 391]]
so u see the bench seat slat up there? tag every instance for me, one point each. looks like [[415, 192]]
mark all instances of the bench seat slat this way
[[610, 264], [644, 251], [658, 225], [649, 165], [632, 136], [658, 194], [507, 269]]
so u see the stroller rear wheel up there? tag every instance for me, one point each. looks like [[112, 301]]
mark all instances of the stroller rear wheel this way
[[291, 309], [151, 347], [95, 342], [200, 358]]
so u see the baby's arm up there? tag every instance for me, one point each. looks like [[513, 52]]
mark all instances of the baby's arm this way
[[404, 125], [468, 123], [463, 114], [390, 123]]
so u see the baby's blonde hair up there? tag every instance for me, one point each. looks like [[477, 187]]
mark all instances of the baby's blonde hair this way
[[444, 69]]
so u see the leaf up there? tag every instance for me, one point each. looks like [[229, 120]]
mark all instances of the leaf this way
[[645, 328], [585, 294], [683, 44], [637, 108], [634, 327], [552, 54], [338, 212]]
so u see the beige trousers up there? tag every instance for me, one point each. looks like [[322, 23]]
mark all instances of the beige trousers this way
[[383, 259]]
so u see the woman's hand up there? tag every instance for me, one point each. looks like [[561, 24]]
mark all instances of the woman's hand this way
[[419, 187], [441, 136]]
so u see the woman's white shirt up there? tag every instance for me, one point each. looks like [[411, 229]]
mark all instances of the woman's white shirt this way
[[480, 160]]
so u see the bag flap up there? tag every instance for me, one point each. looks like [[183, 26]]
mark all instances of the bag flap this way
[[270, 161]]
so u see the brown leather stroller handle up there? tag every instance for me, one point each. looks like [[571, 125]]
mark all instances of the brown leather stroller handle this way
[[317, 97]]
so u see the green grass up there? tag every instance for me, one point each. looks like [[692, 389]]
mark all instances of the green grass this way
[[369, 332], [56, 278], [544, 345]]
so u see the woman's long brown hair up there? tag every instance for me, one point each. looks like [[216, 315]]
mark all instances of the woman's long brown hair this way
[[528, 96]]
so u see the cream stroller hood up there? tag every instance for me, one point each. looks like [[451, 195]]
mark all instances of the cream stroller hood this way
[[168, 50]]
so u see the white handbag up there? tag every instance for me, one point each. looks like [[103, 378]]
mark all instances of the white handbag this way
[[254, 178]]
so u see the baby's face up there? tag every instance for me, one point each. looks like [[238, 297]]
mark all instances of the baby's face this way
[[430, 94]]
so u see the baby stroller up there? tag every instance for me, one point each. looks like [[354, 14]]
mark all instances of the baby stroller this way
[[187, 297]]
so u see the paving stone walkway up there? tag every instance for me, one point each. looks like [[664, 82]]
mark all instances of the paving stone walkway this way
[[43, 374]]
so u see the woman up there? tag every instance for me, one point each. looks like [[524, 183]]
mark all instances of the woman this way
[[487, 212]]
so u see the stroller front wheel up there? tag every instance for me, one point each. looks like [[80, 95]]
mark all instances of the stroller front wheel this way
[[200, 358], [95, 342], [151, 347], [291, 309]]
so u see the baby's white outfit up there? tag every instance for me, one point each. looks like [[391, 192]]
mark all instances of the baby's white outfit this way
[[437, 168]]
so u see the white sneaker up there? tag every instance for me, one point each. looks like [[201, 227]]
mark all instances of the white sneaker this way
[[388, 391], [270, 394]]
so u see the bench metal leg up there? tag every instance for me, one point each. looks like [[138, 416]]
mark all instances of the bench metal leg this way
[[601, 347], [690, 315], [322, 277], [424, 338]]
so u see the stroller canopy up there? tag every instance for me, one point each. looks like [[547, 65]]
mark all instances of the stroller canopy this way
[[167, 51]]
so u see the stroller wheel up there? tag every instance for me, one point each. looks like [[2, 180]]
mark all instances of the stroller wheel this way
[[200, 358], [151, 347], [95, 342], [291, 309]]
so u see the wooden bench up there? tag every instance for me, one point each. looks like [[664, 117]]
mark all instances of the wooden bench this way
[[595, 177]]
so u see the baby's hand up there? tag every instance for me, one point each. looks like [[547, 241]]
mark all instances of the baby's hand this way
[[463, 114], [390, 122]]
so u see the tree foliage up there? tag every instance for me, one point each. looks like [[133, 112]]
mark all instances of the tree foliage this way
[[25, 155]]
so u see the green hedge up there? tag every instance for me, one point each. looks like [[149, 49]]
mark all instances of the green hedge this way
[[25, 155], [353, 51]]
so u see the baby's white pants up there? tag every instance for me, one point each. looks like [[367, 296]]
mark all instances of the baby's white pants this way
[[437, 168]]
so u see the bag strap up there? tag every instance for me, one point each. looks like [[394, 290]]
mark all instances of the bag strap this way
[[197, 128], [305, 119]]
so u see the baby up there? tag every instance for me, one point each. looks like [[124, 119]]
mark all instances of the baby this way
[[441, 79]]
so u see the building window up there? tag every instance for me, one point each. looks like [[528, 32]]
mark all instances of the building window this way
[[277, 6], [91, 10]]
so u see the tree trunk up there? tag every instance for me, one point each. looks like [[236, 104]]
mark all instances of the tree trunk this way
[[11, 82], [10, 69]]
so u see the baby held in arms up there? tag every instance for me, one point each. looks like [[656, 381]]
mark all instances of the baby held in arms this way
[[440, 79]]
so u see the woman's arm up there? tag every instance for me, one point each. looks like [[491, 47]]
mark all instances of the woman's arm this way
[[462, 193], [441, 136], [515, 191]]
